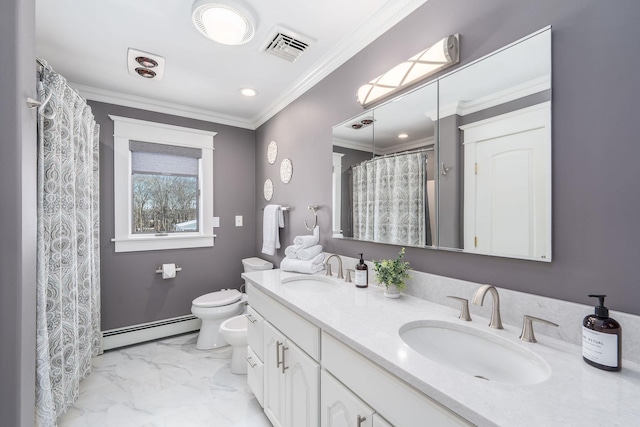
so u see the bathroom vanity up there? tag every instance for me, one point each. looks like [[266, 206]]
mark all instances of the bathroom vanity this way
[[323, 352]]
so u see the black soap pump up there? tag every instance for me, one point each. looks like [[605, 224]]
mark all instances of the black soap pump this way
[[602, 339], [362, 274]]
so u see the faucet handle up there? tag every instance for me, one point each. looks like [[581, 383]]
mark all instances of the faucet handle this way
[[527, 327], [348, 278], [464, 308]]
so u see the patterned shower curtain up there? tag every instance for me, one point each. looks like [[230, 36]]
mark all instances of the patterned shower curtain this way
[[390, 199], [68, 266]]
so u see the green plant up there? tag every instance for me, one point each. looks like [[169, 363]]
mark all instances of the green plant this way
[[392, 272]]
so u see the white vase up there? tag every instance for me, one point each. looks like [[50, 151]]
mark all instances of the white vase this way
[[391, 291]]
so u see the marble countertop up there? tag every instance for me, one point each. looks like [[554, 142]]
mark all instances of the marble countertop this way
[[576, 394]]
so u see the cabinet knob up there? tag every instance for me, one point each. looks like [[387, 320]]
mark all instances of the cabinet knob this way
[[361, 419]]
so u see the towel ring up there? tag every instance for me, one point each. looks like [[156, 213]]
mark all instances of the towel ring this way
[[314, 209]]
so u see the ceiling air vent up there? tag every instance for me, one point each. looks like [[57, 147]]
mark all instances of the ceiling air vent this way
[[286, 44]]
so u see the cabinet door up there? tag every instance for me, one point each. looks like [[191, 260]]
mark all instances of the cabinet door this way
[[378, 421], [274, 380], [302, 389], [340, 407]]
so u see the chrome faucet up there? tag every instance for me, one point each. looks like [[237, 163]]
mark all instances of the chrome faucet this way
[[478, 299], [326, 263]]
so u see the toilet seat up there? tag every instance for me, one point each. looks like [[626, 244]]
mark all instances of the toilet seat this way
[[217, 299]]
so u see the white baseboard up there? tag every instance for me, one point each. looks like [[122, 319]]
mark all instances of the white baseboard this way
[[135, 334]]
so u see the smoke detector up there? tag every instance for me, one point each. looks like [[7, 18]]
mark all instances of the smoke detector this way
[[286, 44], [145, 64]]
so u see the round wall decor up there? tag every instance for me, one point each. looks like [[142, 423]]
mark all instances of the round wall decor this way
[[286, 170], [272, 152], [268, 189]]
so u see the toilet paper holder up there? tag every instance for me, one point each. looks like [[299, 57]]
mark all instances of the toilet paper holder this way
[[159, 269]]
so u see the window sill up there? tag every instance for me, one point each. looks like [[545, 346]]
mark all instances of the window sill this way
[[153, 243]]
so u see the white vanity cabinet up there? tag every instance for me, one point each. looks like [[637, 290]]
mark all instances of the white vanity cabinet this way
[[291, 380], [290, 352]]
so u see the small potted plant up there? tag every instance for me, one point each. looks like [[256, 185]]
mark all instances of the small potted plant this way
[[392, 274]]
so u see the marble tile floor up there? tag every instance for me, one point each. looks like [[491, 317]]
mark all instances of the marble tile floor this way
[[164, 383]]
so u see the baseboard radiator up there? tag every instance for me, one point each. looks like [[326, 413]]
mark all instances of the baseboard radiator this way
[[120, 337]]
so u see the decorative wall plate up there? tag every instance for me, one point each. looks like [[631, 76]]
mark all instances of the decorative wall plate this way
[[272, 152], [268, 189], [286, 170]]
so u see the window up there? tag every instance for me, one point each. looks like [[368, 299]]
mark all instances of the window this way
[[163, 186]]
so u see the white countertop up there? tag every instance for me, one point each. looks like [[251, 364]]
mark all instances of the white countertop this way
[[576, 394]]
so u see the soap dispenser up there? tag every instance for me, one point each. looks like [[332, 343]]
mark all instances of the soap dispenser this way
[[602, 339], [362, 274]]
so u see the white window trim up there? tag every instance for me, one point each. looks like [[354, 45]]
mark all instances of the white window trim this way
[[125, 130]]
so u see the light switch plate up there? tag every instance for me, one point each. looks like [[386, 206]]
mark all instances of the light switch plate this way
[[238, 220], [216, 221]]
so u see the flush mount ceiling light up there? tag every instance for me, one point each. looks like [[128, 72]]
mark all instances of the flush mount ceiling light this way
[[403, 136], [226, 22], [426, 63]]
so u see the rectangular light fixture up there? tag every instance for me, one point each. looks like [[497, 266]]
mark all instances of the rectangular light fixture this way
[[441, 55]]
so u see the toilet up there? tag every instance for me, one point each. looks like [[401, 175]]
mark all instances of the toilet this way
[[234, 331], [216, 307]]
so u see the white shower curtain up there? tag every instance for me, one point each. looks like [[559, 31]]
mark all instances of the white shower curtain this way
[[389, 199], [68, 266]]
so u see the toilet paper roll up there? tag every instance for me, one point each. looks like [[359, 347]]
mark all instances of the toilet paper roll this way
[[168, 271]]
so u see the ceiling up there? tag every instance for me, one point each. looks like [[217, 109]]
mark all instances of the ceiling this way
[[87, 42]]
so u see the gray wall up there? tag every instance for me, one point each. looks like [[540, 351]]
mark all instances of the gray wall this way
[[17, 213], [595, 145], [131, 291]]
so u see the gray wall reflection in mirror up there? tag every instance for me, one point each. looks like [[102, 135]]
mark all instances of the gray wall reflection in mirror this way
[[473, 171]]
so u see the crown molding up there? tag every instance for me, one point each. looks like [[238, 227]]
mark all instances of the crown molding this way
[[354, 145], [359, 38], [133, 101]]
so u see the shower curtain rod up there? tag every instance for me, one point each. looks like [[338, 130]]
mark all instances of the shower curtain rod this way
[[41, 63]]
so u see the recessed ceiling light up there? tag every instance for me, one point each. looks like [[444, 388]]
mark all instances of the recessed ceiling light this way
[[247, 91], [403, 136], [226, 22]]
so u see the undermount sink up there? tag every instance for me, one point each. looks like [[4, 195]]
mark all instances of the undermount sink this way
[[480, 354], [309, 283]]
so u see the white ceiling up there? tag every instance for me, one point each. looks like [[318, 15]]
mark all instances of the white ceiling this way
[[87, 40]]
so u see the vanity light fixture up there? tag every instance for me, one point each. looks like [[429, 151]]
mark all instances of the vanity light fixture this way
[[226, 22], [426, 63]]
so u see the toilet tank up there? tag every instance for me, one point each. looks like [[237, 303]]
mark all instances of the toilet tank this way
[[256, 264]]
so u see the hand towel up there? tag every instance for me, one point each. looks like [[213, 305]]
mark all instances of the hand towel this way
[[310, 252], [292, 251], [273, 220], [308, 241], [303, 266]]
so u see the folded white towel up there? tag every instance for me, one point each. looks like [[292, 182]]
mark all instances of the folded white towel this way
[[303, 266], [308, 241], [309, 253], [292, 251], [273, 220]]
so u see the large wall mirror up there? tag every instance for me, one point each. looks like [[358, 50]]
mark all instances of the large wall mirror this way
[[462, 163]]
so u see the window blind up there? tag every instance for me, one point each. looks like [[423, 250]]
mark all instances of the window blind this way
[[151, 158]]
